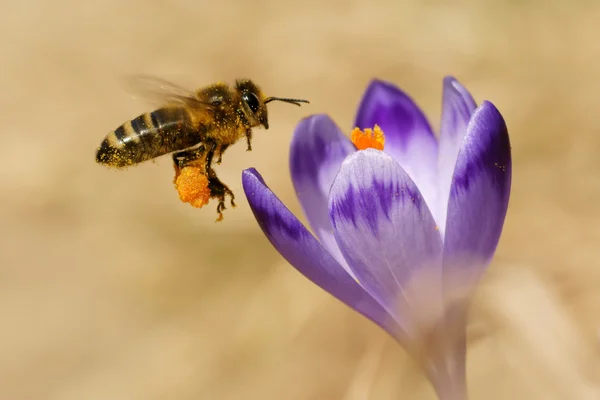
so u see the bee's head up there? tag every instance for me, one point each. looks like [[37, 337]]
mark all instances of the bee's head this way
[[255, 103]]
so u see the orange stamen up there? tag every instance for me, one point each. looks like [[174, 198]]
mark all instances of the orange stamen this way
[[369, 138], [192, 186]]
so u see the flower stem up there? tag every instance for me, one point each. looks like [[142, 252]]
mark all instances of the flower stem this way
[[446, 367], [450, 383]]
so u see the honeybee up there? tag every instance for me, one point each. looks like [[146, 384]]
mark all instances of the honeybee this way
[[195, 126]]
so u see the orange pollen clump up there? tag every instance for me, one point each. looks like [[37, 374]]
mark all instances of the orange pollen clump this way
[[192, 186], [369, 138]]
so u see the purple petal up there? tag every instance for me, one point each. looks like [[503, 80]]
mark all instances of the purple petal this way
[[457, 108], [384, 229], [408, 135], [295, 243], [479, 195], [317, 151]]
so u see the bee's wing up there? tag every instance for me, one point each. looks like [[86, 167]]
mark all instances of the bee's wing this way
[[160, 92]]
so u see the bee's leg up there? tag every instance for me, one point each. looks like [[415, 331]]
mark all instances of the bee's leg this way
[[211, 147], [217, 188], [249, 139], [221, 151]]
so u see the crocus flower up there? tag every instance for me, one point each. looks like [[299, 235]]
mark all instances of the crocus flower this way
[[405, 223]]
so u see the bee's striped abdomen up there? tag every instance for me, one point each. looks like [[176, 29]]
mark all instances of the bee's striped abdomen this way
[[148, 136]]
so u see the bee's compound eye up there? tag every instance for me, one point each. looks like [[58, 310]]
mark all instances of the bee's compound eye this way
[[252, 101]]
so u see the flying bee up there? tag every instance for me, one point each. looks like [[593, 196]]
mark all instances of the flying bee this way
[[195, 126]]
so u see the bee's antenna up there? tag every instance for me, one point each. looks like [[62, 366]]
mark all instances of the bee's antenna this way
[[291, 101]]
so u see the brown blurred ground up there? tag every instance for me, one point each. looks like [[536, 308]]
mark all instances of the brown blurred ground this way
[[112, 289]]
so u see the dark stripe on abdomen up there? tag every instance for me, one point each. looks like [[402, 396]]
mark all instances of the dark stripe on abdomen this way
[[155, 118], [120, 134], [139, 126], [169, 119]]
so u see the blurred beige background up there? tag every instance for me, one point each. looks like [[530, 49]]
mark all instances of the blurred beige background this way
[[110, 288]]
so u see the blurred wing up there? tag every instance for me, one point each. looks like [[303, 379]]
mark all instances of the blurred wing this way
[[162, 92]]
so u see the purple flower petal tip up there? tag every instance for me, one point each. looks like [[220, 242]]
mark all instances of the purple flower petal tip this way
[[480, 190], [394, 111], [381, 88], [316, 139], [252, 172], [318, 148], [264, 206], [488, 147], [451, 82], [461, 100]]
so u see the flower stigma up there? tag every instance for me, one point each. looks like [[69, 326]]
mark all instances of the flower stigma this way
[[368, 139]]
